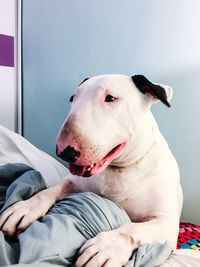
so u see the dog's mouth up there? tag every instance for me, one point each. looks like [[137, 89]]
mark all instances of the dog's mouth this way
[[86, 171]]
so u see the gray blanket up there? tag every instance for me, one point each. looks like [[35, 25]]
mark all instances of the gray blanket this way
[[55, 239]]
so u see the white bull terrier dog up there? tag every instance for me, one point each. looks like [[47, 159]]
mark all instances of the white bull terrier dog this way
[[111, 137]]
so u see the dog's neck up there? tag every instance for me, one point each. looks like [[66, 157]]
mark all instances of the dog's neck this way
[[140, 142]]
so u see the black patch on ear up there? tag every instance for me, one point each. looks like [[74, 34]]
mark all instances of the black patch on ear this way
[[147, 87], [84, 81]]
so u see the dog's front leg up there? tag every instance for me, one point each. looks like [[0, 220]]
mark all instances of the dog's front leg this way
[[114, 248], [20, 215], [156, 230]]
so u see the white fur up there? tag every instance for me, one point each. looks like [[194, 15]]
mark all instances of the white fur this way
[[144, 178]]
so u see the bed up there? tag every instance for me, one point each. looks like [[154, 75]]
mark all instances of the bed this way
[[14, 148]]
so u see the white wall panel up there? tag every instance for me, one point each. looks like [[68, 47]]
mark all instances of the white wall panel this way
[[8, 72]]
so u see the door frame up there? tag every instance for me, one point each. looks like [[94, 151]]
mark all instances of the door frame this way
[[18, 65]]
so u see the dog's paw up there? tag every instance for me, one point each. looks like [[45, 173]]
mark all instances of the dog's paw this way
[[108, 249], [18, 217]]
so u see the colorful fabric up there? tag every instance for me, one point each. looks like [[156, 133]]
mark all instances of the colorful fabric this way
[[189, 236]]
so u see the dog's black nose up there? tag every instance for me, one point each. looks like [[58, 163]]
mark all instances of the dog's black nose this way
[[69, 154]]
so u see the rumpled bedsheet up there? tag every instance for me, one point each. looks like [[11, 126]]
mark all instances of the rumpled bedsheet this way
[[55, 239]]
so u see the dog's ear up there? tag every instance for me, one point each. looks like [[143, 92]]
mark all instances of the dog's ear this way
[[157, 92], [84, 81]]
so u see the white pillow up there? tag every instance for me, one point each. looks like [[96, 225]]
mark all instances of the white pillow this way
[[16, 149]]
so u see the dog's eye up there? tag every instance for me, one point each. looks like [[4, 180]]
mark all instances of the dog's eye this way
[[71, 98], [110, 98]]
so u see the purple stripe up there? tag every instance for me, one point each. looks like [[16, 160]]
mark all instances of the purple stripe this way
[[6, 50]]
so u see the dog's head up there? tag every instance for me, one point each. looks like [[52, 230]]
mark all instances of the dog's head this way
[[105, 113]]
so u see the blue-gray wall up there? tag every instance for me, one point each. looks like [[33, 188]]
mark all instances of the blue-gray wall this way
[[65, 41]]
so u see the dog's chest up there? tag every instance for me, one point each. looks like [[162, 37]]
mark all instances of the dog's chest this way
[[129, 188]]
